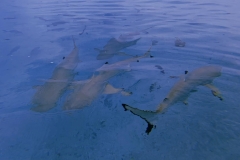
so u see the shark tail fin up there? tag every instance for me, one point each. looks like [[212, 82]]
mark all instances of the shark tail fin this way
[[149, 116]]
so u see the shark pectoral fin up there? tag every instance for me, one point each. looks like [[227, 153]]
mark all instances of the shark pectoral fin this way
[[125, 93], [215, 91], [149, 116], [109, 89]]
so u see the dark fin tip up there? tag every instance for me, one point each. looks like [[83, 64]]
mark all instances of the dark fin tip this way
[[149, 128], [106, 63], [186, 72], [124, 106], [137, 60], [63, 57], [165, 99], [151, 56]]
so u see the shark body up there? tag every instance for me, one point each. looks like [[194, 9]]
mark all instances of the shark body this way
[[113, 47], [180, 92], [84, 93], [48, 94], [116, 44]]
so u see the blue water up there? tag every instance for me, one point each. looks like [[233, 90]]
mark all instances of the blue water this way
[[36, 35]]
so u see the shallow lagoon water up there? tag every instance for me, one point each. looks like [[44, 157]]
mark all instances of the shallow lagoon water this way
[[36, 35]]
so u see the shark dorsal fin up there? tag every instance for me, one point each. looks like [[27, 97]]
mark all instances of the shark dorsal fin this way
[[74, 42]]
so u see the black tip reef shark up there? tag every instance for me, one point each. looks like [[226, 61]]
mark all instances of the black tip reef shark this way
[[113, 47], [181, 91], [48, 94], [85, 92]]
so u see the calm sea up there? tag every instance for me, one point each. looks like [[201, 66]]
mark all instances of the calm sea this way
[[36, 35]]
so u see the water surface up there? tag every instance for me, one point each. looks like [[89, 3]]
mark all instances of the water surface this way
[[36, 35]]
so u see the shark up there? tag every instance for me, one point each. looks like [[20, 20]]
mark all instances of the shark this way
[[115, 45], [85, 92], [113, 48], [202, 76], [48, 94]]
